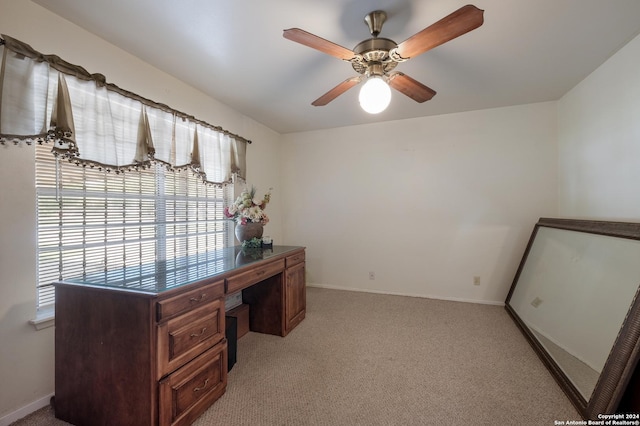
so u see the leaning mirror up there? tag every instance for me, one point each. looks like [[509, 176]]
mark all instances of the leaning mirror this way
[[574, 298]]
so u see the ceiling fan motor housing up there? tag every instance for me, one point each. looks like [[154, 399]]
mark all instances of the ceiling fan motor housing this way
[[374, 51]]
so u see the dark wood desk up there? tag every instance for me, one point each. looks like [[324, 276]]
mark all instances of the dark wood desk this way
[[146, 345]]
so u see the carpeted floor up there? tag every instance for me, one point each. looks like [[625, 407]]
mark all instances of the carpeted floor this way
[[368, 359]]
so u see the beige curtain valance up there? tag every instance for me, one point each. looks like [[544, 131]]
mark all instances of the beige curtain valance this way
[[46, 99]]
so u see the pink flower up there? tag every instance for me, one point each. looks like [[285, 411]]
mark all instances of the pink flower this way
[[248, 208]]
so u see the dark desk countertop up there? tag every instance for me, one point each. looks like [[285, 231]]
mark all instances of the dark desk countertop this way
[[160, 276]]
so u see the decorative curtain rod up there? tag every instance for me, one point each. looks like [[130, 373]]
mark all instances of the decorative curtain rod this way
[[67, 68]]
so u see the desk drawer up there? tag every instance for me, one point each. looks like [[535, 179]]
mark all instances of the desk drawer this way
[[187, 393], [189, 300], [183, 338], [295, 259], [245, 279]]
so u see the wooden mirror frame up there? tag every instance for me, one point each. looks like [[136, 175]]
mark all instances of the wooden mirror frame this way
[[623, 357]]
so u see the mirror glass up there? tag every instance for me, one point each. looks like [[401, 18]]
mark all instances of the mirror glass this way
[[573, 293]]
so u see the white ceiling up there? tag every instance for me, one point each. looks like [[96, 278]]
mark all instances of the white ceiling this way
[[527, 51]]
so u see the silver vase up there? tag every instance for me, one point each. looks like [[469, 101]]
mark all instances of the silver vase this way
[[248, 231]]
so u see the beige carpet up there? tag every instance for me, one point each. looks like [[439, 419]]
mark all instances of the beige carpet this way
[[367, 359]]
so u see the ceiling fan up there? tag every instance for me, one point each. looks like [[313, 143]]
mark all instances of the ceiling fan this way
[[375, 58]]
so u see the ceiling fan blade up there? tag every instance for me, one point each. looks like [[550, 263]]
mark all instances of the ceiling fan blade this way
[[410, 87], [460, 22], [318, 43], [336, 91]]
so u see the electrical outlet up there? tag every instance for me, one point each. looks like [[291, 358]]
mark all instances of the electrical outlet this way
[[476, 280], [372, 275], [536, 302]]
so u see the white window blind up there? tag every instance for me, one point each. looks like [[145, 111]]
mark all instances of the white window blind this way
[[92, 220]]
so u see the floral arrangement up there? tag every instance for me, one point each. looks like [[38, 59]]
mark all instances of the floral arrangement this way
[[248, 208]]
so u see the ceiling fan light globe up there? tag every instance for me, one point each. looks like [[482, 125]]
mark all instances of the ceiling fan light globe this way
[[375, 95]]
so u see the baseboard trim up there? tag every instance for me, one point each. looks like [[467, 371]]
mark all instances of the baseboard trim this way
[[422, 296], [25, 411]]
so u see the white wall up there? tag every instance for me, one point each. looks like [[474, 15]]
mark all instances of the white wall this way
[[26, 355], [599, 141], [426, 204]]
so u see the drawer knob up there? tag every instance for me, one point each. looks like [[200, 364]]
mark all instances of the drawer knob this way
[[199, 299], [259, 273], [199, 334], [203, 387]]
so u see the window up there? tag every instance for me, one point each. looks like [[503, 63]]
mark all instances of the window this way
[[92, 220]]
